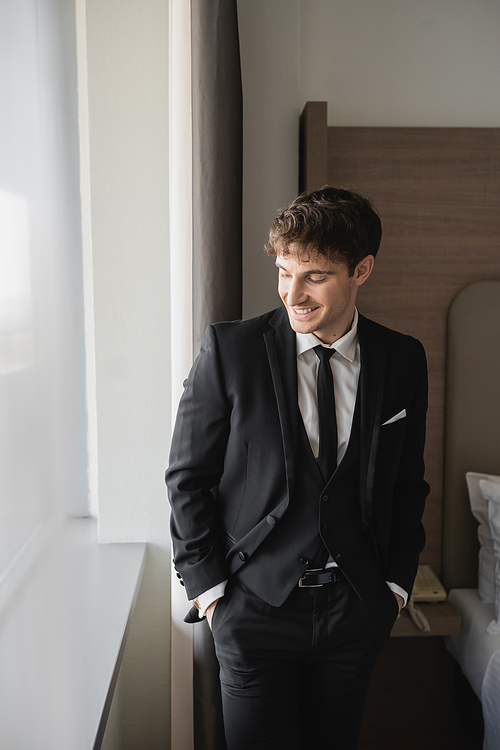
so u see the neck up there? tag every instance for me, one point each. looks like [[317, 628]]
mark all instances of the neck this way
[[327, 339]]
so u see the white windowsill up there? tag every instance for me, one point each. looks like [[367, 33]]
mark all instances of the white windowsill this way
[[62, 634]]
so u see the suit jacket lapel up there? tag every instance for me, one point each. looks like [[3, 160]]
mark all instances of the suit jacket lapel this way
[[373, 349], [282, 353]]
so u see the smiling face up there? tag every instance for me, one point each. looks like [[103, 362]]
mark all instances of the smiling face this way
[[319, 294]]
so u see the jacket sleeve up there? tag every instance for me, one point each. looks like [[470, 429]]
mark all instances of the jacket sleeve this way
[[196, 464], [407, 537]]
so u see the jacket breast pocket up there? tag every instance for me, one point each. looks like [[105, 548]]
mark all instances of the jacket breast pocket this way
[[399, 417], [391, 438]]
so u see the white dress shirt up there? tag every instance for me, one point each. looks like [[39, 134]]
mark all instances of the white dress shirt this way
[[345, 364]]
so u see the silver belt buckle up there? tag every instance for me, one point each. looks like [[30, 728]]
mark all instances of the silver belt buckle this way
[[310, 585]]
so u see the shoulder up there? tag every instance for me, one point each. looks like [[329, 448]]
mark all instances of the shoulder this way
[[241, 333], [396, 341], [236, 349]]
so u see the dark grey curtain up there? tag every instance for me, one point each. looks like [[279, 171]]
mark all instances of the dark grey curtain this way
[[217, 163], [217, 251]]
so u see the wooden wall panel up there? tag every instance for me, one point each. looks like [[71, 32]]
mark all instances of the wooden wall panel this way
[[437, 191]]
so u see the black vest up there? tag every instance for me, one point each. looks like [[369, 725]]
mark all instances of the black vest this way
[[319, 520]]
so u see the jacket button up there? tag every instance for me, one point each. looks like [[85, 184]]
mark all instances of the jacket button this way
[[242, 556], [324, 527], [324, 498], [304, 560], [271, 520]]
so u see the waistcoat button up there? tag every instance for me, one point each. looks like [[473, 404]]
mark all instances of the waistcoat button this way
[[304, 560], [324, 498]]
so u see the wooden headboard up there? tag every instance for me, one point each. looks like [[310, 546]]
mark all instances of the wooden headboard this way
[[472, 425], [437, 191]]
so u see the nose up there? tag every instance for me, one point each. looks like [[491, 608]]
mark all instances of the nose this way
[[296, 292]]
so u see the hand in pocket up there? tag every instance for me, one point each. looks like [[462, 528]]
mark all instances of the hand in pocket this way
[[209, 613]]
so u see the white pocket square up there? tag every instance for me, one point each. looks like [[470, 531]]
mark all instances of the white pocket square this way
[[395, 418]]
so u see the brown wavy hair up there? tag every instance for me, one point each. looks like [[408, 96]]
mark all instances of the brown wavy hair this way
[[333, 221]]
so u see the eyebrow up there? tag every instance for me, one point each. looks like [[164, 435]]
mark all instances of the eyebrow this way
[[313, 271]]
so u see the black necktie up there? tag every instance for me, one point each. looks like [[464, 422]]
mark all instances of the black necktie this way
[[327, 459]]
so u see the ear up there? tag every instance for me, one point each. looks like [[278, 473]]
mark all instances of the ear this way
[[363, 270]]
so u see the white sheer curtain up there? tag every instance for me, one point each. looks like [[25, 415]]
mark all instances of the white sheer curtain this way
[[43, 456]]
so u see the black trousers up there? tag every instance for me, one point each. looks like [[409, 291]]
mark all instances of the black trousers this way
[[295, 677]]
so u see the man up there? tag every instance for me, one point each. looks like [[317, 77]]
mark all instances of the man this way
[[296, 484]]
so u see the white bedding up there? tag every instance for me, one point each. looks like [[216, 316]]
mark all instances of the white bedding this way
[[478, 654]]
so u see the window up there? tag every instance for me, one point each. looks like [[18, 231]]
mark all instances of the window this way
[[43, 456]]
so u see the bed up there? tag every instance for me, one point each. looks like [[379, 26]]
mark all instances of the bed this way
[[478, 654], [472, 491]]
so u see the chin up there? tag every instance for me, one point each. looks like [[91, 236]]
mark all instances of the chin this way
[[301, 327]]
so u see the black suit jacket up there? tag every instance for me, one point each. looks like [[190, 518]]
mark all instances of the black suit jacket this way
[[234, 447]]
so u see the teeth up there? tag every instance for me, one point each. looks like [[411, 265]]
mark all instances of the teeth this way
[[303, 311]]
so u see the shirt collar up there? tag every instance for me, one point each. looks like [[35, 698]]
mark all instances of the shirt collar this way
[[346, 345]]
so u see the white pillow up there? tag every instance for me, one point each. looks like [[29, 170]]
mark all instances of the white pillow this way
[[491, 493], [479, 508]]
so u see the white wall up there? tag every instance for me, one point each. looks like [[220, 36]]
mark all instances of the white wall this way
[[127, 60], [402, 63], [391, 63]]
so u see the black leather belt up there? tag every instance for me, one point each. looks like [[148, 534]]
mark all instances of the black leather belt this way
[[315, 578]]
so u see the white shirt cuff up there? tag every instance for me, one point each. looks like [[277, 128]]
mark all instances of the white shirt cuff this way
[[398, 590], [207, 597]]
